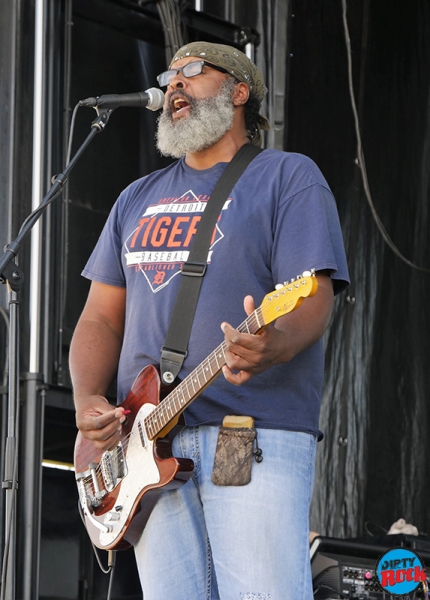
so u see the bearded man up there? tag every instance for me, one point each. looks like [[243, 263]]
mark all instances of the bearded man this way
[[204, 540]]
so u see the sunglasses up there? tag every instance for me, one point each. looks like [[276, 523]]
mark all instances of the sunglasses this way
[[189, 70]]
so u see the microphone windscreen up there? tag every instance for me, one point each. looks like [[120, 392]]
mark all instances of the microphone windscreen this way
[[156, 98]]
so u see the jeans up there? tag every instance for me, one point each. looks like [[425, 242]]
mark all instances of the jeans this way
[[207, 542]]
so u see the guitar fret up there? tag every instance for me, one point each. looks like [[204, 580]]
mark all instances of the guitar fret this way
[[147, 423], [220, 355], [166, 417], [202, 376], [160, 419], [167, 409], [189, 394], [166, 414], [176, 399]]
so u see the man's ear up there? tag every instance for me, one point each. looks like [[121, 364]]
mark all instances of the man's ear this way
[[241, 94]]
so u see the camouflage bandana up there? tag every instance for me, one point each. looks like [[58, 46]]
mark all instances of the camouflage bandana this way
[[237, 64]]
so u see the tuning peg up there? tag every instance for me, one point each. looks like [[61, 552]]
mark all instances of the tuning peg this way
[[279, 286]]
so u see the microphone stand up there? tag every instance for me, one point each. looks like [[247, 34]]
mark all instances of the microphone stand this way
[[12, 275]]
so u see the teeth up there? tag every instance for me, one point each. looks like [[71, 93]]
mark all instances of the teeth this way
[[179, 103]]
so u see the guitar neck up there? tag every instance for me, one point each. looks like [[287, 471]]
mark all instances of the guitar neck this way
[[188, 390]]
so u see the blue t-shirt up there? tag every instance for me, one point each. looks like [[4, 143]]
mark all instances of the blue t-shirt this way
[[280, 220]]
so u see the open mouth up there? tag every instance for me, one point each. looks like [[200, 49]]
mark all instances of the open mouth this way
[[179, 105]]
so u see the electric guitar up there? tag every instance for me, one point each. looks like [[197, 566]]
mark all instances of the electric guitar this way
[[118, 488]]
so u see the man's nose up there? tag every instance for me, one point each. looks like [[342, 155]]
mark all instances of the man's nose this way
[[178, 81]]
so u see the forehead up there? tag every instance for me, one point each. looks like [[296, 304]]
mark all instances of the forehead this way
[[184, 61]]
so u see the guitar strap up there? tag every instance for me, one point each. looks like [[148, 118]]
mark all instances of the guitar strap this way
[[174, 349]]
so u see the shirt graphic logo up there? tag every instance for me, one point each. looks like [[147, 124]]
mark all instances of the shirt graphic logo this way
[[161, 241]]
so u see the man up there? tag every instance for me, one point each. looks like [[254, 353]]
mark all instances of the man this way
[[207, 541]]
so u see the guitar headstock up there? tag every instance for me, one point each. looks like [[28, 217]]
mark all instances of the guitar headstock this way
[[288, 296]]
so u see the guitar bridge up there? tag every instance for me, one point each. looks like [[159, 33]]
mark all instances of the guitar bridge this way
[[113, 467], [88, 484]]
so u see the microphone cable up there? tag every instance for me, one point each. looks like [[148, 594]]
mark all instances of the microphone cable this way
[[71, 131]]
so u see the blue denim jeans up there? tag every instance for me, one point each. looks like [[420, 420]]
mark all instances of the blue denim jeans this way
[[207, 542]]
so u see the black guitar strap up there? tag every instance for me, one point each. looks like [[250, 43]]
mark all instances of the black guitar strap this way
[[174, 350]]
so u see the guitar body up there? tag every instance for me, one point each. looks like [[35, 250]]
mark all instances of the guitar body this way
[[126, 481]]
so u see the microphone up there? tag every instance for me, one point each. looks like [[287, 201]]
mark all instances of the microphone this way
[[152, 99]]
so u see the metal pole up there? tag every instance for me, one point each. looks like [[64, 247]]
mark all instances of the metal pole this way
[[31, 446], [30, 487], [37, 186]]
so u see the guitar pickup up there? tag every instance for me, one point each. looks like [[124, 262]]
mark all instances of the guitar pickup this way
[[113, 467], [141, 434]]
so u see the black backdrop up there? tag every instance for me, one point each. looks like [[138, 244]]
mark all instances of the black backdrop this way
[[374, 464]]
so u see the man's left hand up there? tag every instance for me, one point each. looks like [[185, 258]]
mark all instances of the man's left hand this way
[[248, 354]]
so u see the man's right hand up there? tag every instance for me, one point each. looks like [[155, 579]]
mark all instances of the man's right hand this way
[[99, 421]]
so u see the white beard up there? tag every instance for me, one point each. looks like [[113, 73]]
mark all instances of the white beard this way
[[209, 119]]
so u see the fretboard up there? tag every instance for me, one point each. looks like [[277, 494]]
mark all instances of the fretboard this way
[[188, 390]]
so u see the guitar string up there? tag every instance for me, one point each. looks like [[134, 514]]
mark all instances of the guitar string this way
[[99, 470]]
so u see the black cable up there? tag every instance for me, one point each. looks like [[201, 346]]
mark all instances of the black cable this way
[[40, 208], [360, 156], [368, 523], [320, 575], [111, 563], [5, 379], [331, 589], [72, 127], [170, 17], [111, 559], [4, 313]]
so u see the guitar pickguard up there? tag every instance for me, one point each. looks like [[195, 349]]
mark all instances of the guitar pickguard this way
[[140, 471]]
